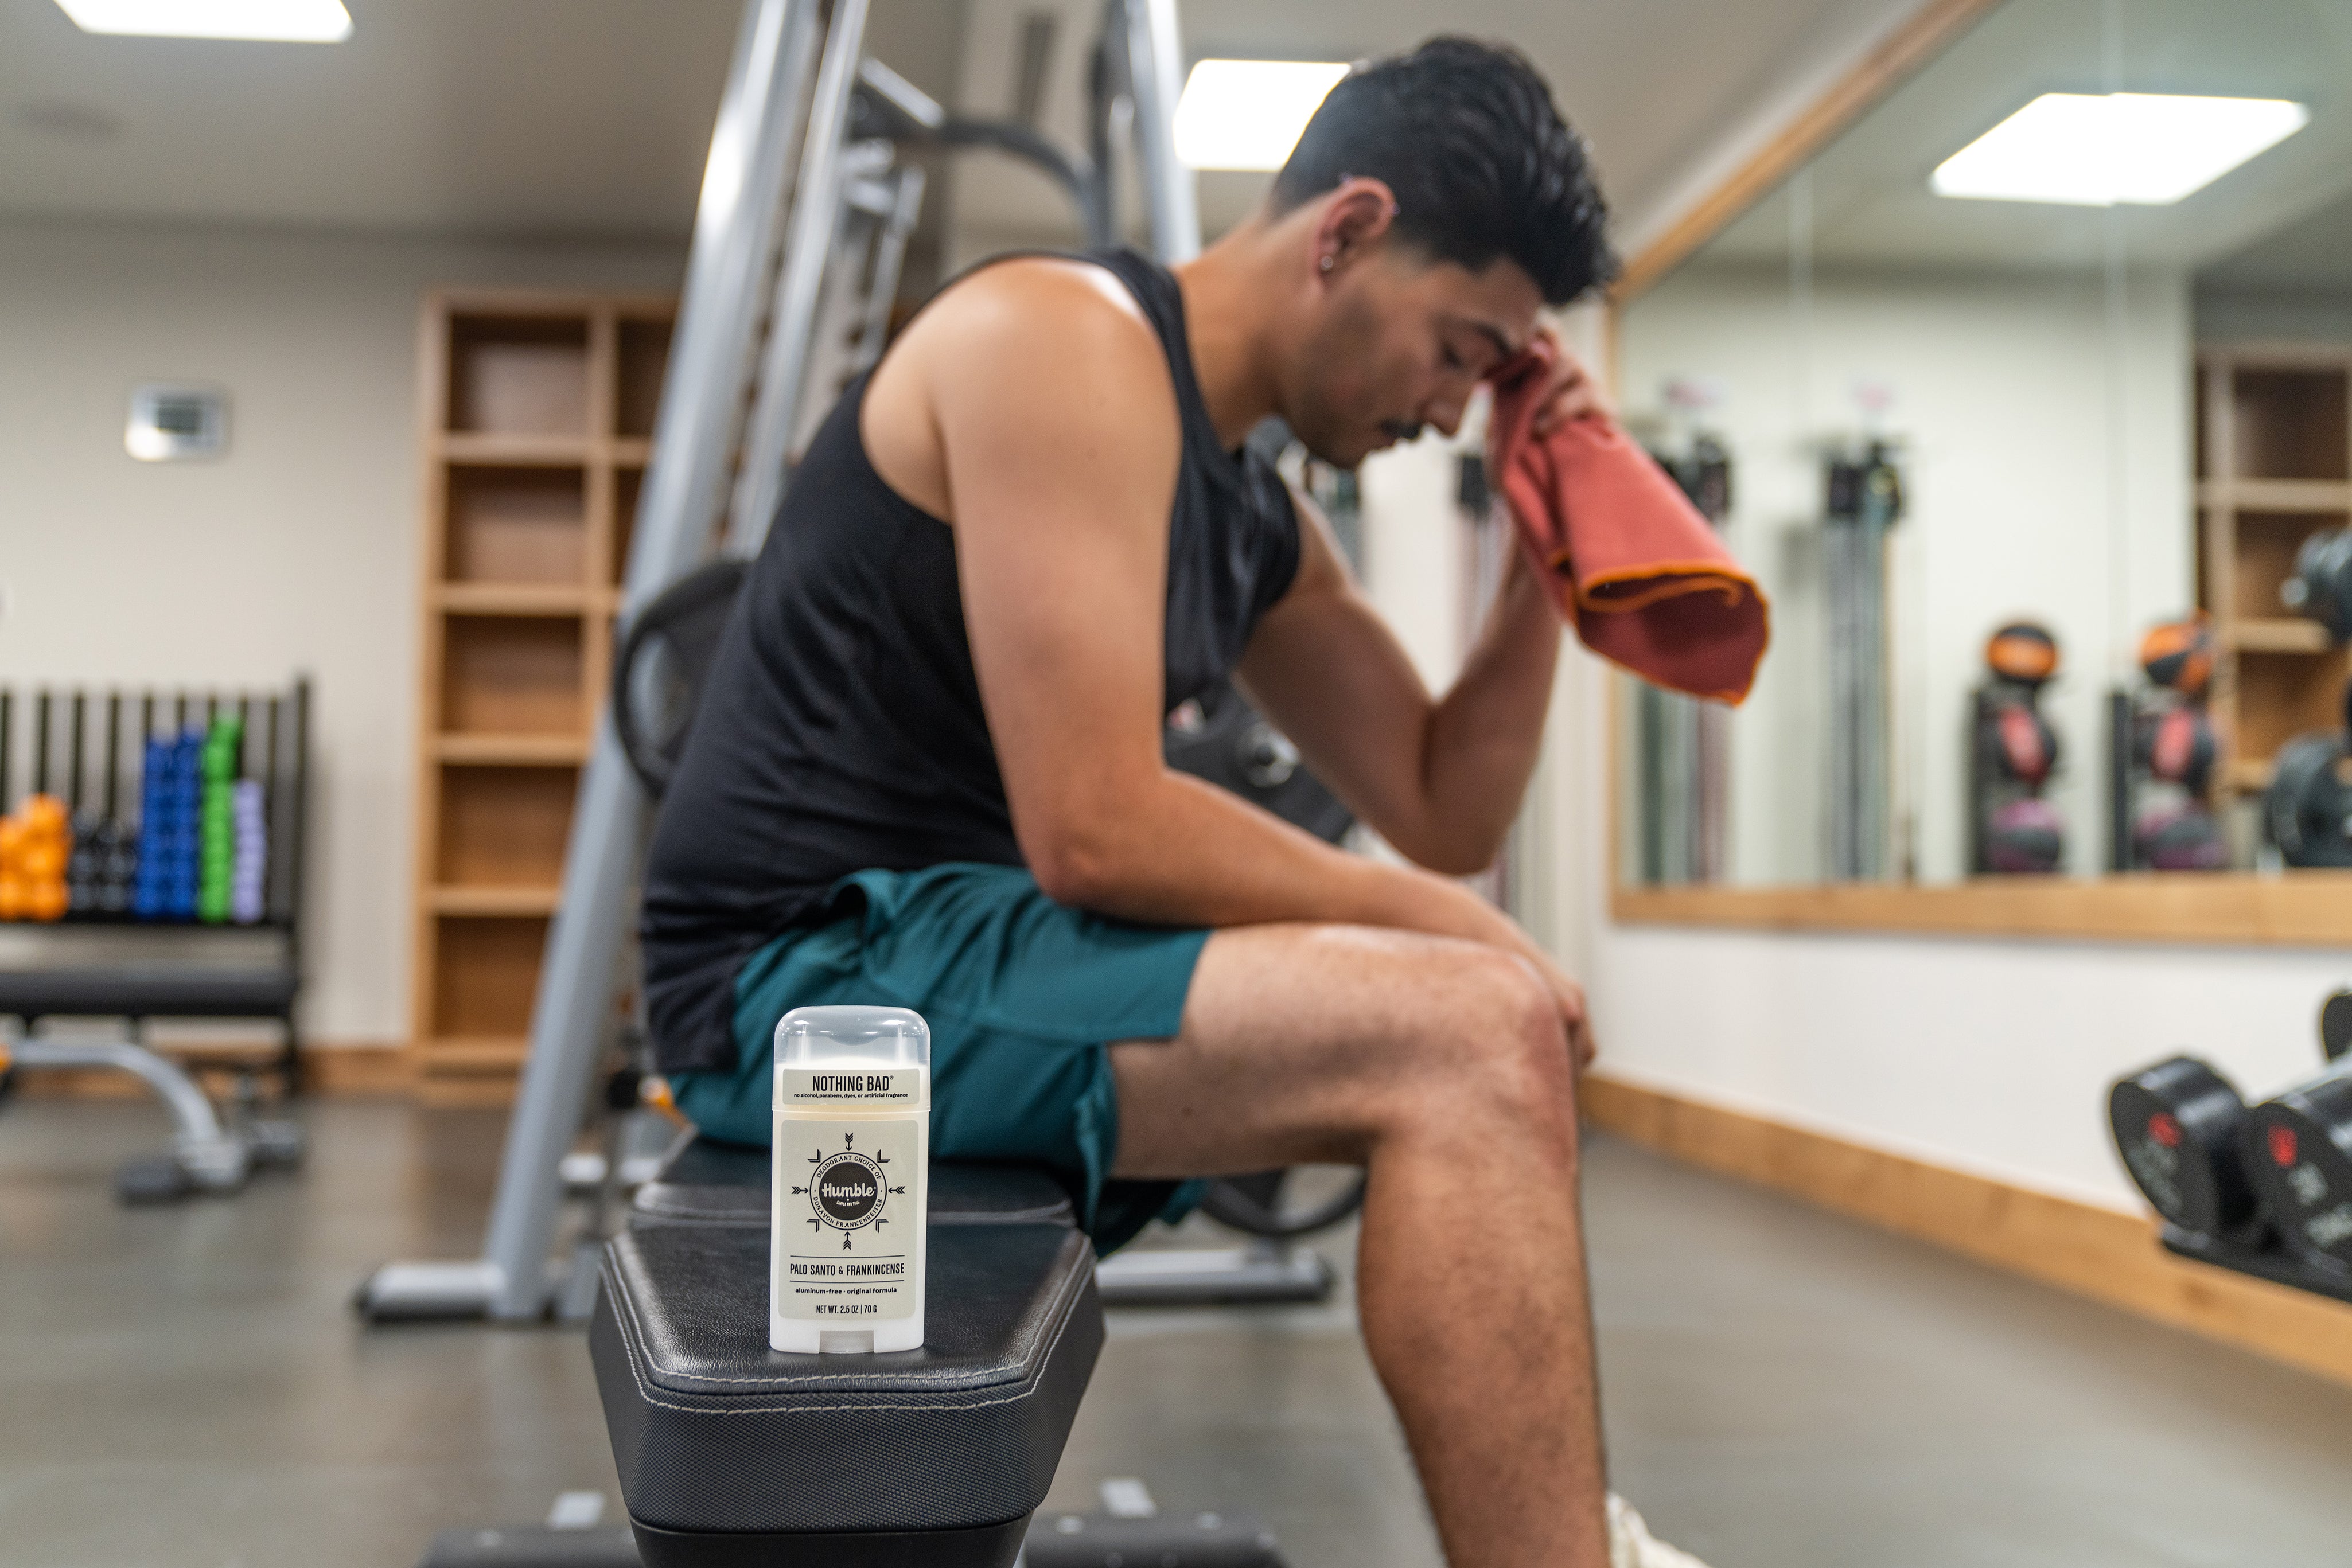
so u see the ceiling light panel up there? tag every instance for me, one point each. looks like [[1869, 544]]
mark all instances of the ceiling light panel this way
[[269, 21], [2099, 149], [1247, 114]]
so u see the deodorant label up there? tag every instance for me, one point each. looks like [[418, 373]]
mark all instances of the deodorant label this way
[[846, 1215], [867, 1090]]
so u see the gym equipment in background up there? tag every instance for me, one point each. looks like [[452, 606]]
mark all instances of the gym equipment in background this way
[[1683, 745], [1864, 501], [2163, 756], [2320, 588], [200, 844], [2307, 809], [95, 868], [802, 201], [2013, 829], [2266, 1189]]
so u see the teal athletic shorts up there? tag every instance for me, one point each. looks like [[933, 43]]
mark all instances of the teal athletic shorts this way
[[1022, 995]]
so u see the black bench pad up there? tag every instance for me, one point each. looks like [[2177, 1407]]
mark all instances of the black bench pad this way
[[147, 990], [711, 1182], [714, 1433]]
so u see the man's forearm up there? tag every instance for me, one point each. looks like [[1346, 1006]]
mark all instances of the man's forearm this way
[[1189, 853], [1484, 738]]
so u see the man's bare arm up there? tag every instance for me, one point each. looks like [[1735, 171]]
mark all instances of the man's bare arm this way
[[1058, 424], [1439, 780]]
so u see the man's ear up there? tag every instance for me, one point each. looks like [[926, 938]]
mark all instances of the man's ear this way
[[1355, 216]]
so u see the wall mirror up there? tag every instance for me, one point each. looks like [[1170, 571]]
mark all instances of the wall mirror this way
[[2025, 396]]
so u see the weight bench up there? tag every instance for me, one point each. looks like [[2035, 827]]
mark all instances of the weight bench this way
[[731, 1453], [206, 1155]]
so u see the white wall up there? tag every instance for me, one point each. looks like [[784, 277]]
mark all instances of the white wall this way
[[299, 551], [2000, 384]]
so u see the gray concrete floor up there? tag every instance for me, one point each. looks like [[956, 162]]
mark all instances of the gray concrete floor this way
[[1785, 1390]]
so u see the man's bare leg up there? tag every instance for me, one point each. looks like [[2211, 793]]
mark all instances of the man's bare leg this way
[[1443, 1067]]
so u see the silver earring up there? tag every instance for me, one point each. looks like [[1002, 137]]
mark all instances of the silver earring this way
[[1326, 263]]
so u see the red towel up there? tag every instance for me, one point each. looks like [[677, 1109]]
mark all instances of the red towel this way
[[1631, 564]]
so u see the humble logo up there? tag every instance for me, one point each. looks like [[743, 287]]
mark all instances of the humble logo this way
[[849, 1191]]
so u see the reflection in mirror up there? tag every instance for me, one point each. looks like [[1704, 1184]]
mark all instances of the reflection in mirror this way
[[2026, 399]]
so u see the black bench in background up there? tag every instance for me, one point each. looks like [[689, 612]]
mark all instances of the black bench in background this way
[[104, 959]]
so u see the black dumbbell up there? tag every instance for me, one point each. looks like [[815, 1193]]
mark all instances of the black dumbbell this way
[[2179, 1125], [2297, 1149], [2336, 1025]]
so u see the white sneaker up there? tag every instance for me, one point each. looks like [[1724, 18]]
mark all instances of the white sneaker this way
[[1631, 1544]]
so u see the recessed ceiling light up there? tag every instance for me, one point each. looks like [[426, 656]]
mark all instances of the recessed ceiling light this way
[[2095, 149], [274, 21], [1247, 114]]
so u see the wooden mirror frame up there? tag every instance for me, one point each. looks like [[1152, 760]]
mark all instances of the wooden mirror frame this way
[[2303, 908]]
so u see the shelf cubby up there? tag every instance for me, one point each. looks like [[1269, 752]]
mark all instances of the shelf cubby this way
[[641, 358], [2283, 695], [2291, 423], [2267, 543], [504, 825], [517, 373], [513, 674], [628, 485], [515, 525], [486, 973]]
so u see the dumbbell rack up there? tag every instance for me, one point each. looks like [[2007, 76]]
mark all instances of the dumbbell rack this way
[[2211, 1205], [144, 967], [2270, 1261]]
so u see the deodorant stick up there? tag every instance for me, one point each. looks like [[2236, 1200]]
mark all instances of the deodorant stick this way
[[852, 1180]]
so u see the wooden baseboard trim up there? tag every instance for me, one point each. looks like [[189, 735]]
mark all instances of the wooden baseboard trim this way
[[2077, 1247]]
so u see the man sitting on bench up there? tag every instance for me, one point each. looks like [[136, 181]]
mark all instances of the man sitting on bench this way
[[927, 770]]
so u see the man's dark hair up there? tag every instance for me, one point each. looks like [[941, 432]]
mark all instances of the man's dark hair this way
[[1483, 166]]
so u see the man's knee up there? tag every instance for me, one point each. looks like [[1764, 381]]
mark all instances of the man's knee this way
[[1494, 1043]]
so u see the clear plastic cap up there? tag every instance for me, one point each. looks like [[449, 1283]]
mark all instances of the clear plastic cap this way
[[816, 1037]]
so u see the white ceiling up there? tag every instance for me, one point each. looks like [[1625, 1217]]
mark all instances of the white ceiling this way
[[1870, 204], [492, 117], [590, 117]]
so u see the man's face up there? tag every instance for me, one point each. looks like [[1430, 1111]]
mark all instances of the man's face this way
[[1396, 342]]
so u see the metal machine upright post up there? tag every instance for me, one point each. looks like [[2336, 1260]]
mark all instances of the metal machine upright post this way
[[1153, 54], [745, 186], [800, 285]]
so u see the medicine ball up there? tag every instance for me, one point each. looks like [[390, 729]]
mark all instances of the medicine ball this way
[[2178, 838], [2024, 747], [2176, 746], [2307, 811], [2321, 588], [2022, 651], [2179, 654], [2024, 838]]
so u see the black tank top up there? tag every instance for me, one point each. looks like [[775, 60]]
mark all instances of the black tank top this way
[[841, 728]]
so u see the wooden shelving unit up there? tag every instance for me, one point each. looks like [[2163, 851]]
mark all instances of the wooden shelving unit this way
[[2274, 467], [538, 418]]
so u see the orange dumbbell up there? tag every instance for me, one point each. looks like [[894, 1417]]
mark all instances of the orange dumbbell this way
[[43, 815]]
